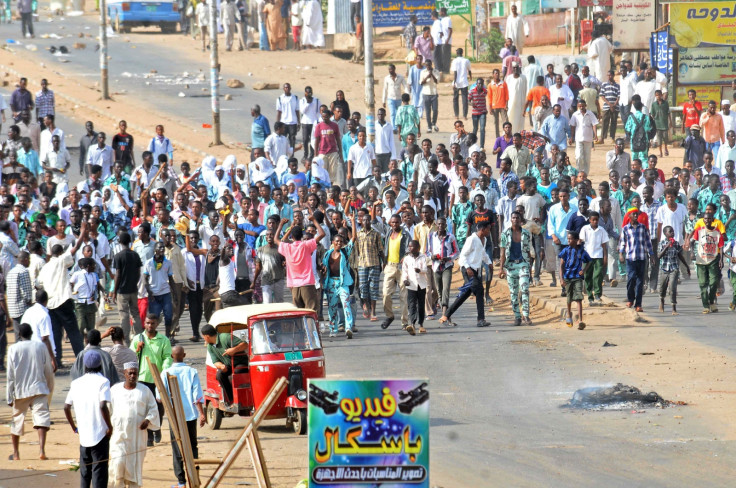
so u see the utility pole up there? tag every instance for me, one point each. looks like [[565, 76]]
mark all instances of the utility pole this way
[[103, 50], [370, 101], [214, 75]]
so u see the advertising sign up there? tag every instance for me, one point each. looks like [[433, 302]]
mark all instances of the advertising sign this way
[[660, 53], [705, 93], [559, 3], [455, 7], [396, 13], [703, 24], [368, 433], [706, 65], [633, 23], [596, 3]]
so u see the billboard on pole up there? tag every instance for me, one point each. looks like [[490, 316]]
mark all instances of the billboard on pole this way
[[633, 23], [702, 24], [396, 13]]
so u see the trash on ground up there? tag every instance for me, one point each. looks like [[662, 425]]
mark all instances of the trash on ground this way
[[609, 344], [617, 397]]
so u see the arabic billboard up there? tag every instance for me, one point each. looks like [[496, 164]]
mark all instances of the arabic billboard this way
[[660, 53], [703, 24], [396, 13], [368, 433], [706, 65], [596, 3], [704, 94], [455, 7], [559, 3], [633, 23]]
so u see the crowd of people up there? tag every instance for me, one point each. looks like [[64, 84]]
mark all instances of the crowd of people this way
[[345, 225]]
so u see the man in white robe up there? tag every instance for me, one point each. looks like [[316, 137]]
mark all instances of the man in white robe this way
[[561, 94], [516, 84], [599, 57], [133, 411], [312, 33], [516, 29]]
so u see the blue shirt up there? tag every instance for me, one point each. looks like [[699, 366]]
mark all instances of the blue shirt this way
[[576, 223], [259, 130], [251, 240], [347, 142], [557, 130], [557, 221], [189, 387], [285, 213], [299, 179], [635, 242], [29, 160], [574, 261]]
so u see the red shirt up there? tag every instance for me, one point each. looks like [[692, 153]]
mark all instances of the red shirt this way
[[691, 112], [326, 137], [478, 100]]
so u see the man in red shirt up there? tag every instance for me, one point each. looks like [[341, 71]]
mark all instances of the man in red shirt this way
[[326, 144], [691, 111], [477, 97]]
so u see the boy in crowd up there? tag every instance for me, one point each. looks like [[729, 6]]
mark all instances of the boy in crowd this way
[[595, 239], [669, 253], [574, 263], [414, 273]]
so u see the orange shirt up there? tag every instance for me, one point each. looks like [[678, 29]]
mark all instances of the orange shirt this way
[[712, 127], [498, 94], [536, 95]]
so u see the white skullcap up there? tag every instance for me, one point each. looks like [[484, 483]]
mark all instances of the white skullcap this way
[[130, 365]]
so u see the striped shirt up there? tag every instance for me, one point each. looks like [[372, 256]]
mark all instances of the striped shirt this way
[[651, 210], [610, 91], [478, 100], [574, 258], [635, 242]]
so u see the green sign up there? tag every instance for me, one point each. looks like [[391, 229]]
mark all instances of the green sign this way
[[455, 7]]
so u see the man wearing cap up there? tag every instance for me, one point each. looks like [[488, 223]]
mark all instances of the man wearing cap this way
[[517, 87], [89, 395], [133, 409], [694, 146], [29, 373], [729, 118]]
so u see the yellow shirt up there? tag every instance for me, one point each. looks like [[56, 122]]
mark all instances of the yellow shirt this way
[[394, 249], [716, 224]]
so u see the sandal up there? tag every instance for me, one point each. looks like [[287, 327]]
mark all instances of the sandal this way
[[568, 321], [422, 330], [581, 325], [666, 152], [374, 319]]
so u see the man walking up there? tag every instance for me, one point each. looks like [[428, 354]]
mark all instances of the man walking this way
[[192, 398], [19, 290], [89, 395], [584, 135], [287, 112], [477, 97], [29, 374], [462, 75], [127, 264], [472, 256], [393, 86], [395, 245], [634, 249], [132, 410]]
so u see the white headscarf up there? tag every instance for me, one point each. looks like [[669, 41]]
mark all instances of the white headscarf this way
[[282, 166], [229, 163], [207, 176], [319, 171], [261, 169], [245, 181]]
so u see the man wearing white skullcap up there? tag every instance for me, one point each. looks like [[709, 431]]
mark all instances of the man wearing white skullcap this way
[[729, 118], [133, 410]]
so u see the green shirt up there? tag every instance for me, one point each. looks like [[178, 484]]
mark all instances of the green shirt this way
[[224, 342], [158, 349], [660, 112]]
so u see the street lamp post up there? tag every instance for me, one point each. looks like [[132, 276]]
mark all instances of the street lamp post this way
[[214, 75], [103, 51]]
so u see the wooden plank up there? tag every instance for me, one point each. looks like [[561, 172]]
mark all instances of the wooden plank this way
[[259, 462], [168, 408], [250, 426], [207, 461], [181, 423]]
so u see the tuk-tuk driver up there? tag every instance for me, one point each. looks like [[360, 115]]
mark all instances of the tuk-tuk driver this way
[[223, 350]]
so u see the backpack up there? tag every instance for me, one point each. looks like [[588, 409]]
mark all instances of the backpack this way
[[639, 138]]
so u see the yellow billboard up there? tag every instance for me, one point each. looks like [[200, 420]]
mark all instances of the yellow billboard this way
[[703, 24]]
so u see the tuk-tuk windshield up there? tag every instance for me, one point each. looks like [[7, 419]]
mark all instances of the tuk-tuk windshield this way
[[285, 335]]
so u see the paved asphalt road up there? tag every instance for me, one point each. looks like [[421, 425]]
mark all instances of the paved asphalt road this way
[[496, 392]]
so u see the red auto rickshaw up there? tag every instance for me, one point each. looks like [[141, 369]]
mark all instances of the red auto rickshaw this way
[[283, 341]]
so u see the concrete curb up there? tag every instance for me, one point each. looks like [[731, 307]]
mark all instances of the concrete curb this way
[[102, 113]]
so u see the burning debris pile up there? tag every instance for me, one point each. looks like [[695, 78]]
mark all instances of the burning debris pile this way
[[617, 397]]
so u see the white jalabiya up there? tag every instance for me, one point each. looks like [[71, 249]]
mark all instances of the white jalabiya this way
[[516, 29], [563, 97], [129, 408], [599, 57], [312, 32], [517, 100]]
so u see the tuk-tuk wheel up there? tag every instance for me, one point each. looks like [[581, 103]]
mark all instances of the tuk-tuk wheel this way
[[299, 423], [213, 416]]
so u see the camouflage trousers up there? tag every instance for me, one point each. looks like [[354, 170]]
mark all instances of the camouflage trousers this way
[[517, 276]]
